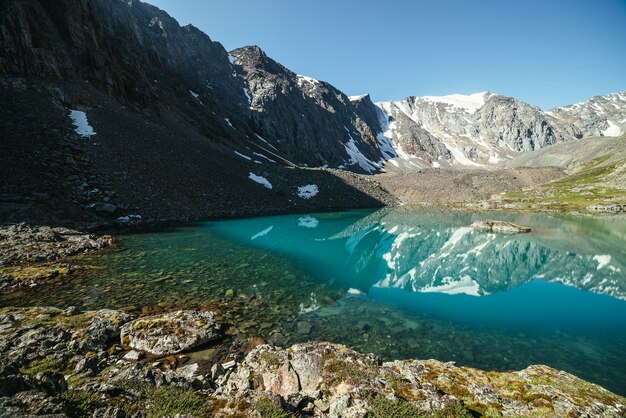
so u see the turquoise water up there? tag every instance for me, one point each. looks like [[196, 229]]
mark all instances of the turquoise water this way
[[398, 283]]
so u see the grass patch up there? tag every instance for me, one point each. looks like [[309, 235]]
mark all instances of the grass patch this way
[[352, 372], [169, 401], [576, 191], [80, 403], [268, 409], [46, 364]]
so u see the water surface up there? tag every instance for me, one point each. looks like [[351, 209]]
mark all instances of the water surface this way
[[399, 283]]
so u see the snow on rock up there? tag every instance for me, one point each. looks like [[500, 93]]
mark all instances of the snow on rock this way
[[612, 130], [356, 98], [308, 221], [261, 180], [196, 96], [357, 157], [81, 125], [229, 123], [603, 260], [308, 191], [243, 156], [264, 156], [470, 103]]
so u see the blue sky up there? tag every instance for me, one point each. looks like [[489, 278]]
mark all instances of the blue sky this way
[[548, 53]]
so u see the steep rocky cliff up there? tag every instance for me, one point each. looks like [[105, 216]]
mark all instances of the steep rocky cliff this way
[[110, 108]]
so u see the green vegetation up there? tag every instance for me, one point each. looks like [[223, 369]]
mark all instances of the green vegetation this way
[[268, 409], [80, 403], [169, 401], [46, 364], [381, 407], [586, 186], [270, 359]]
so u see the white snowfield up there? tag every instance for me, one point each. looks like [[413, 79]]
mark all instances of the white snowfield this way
[[612, 130], [260, 179], [308, 191], [81, 125], [470, 103]]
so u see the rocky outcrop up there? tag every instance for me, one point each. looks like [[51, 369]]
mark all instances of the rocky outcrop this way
[[44, 371], [25, 243], [499, 227], [30, 255], [171, 333]]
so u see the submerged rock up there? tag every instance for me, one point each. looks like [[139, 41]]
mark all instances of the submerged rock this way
[[499, 226], [170, 333]]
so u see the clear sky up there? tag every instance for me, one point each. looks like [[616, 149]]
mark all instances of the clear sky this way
[[545, 52]]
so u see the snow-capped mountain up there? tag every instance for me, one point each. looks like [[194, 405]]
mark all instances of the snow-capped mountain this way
[[482, 129], [598, 116]]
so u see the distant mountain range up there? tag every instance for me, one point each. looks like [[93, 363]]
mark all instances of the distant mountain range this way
[[171, 115]]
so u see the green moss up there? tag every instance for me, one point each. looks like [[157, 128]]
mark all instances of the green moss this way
[[268, 409], [270, 359], [576, 191], [337, 371], [80, 403], [381, 407], [46, 364], [169, 401]]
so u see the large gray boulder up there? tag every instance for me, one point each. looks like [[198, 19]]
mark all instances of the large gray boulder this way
[[170, 333]]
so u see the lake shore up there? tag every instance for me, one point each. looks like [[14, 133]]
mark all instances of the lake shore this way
[[74, 363]]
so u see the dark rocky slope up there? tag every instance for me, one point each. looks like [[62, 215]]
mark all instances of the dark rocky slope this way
[[174, 130]]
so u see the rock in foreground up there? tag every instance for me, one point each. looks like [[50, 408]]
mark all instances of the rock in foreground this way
[[500, 227], [44, 370], [170, 333]]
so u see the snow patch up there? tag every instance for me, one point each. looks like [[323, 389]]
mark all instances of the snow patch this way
[[353, 291], [603, 260], [357, 98], [308, 191], [81, 125], [229, 123], [470, 103], [308, 221], [196, 96], [243, 156], [260, 179], [612, 130], [263, 156], [357, 157]]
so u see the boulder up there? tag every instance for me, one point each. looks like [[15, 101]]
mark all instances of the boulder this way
[[170, 333], [103, 330], [502, 227]]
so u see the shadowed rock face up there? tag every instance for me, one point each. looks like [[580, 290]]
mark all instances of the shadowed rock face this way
[[308, 120]]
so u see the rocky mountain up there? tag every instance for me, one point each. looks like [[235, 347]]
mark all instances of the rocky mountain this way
[[112, 109], [598, 116], [484, 129], [306, 120]]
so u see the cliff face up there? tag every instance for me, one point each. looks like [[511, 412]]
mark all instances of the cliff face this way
[[308, 120], [172, 129]]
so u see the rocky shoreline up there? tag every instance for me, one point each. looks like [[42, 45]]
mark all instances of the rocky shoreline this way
[[108, 363], [111, 363]]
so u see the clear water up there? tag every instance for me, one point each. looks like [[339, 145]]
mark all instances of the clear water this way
[[398, 283]]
